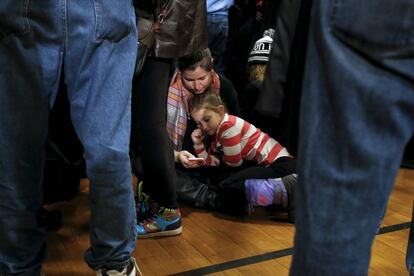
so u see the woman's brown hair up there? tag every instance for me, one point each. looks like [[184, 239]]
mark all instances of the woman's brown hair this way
[[202, 58]]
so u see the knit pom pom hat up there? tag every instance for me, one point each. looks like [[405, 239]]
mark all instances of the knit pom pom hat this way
[[261, 49]]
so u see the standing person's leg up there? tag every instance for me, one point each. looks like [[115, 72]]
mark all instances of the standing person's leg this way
[[149, 109], [356, 116], [218, 29], [29, 62], [98, 67]]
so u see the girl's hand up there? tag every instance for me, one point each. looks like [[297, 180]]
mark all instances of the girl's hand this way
[[197, 136], [183, 158]]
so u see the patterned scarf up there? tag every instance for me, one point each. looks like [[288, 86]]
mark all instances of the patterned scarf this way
[[177, 107]]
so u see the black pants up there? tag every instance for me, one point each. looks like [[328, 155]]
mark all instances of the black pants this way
[[222, 189], [231, 192], [280, 168], [197, 187], [150, 142]]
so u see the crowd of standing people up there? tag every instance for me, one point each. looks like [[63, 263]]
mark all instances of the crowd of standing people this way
[[239, 104]]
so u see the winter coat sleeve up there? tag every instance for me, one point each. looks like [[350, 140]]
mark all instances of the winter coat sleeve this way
[[271, 94]]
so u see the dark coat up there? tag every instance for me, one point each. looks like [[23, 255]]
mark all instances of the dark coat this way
[[281, 89], [182, 32]]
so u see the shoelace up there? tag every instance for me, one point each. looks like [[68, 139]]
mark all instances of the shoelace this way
[[166, 212], [162, 212]]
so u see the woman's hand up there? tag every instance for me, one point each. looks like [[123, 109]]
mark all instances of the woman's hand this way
[[183, 157], [197, 136]]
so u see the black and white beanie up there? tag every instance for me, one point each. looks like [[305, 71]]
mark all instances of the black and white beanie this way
[[261, 49]]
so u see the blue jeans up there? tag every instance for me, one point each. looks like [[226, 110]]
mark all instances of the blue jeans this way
[[357, 114], [218, 29], [93, 45]]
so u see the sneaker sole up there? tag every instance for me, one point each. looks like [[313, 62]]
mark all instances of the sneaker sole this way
[[136, 271], [161, 233]]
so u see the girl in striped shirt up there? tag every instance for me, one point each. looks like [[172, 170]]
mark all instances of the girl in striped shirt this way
[[234, 141]]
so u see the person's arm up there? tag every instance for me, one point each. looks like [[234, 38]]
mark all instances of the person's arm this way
[[210, 159], [230, 139], [184, 156], [176, 156]]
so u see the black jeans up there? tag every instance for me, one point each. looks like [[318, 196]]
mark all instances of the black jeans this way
[[197, 187], [150, 143], [222, 188], [231, 192]]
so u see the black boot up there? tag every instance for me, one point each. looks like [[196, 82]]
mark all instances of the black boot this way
[[290, 181], [192, 191]]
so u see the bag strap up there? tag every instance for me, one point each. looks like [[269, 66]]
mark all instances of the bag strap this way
[[163, 14]]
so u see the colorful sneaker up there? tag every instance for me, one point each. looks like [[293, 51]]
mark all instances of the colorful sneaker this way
[[144, 205], [130, 270], [167, 222]]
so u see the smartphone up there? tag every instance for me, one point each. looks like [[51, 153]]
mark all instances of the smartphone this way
[[195, 158]]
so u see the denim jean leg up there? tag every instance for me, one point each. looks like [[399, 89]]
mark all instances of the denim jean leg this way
[[99, 63], [218, 28], [29, 71], [356, 116], [380, 219]]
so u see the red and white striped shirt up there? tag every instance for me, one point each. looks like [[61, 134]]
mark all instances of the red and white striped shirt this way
[[237, 140]]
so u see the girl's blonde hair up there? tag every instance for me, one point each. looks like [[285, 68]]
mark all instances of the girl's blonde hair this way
[[257, 72], [207, 100]]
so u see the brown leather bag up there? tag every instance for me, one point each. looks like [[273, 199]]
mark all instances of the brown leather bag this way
[[147, 31]]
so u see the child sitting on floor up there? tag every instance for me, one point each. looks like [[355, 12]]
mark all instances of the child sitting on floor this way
[[270, 182]]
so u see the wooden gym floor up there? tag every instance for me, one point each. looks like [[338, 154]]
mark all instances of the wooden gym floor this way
[[218, 245]]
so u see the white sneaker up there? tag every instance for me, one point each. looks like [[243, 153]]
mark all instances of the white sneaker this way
[[130, 270]]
